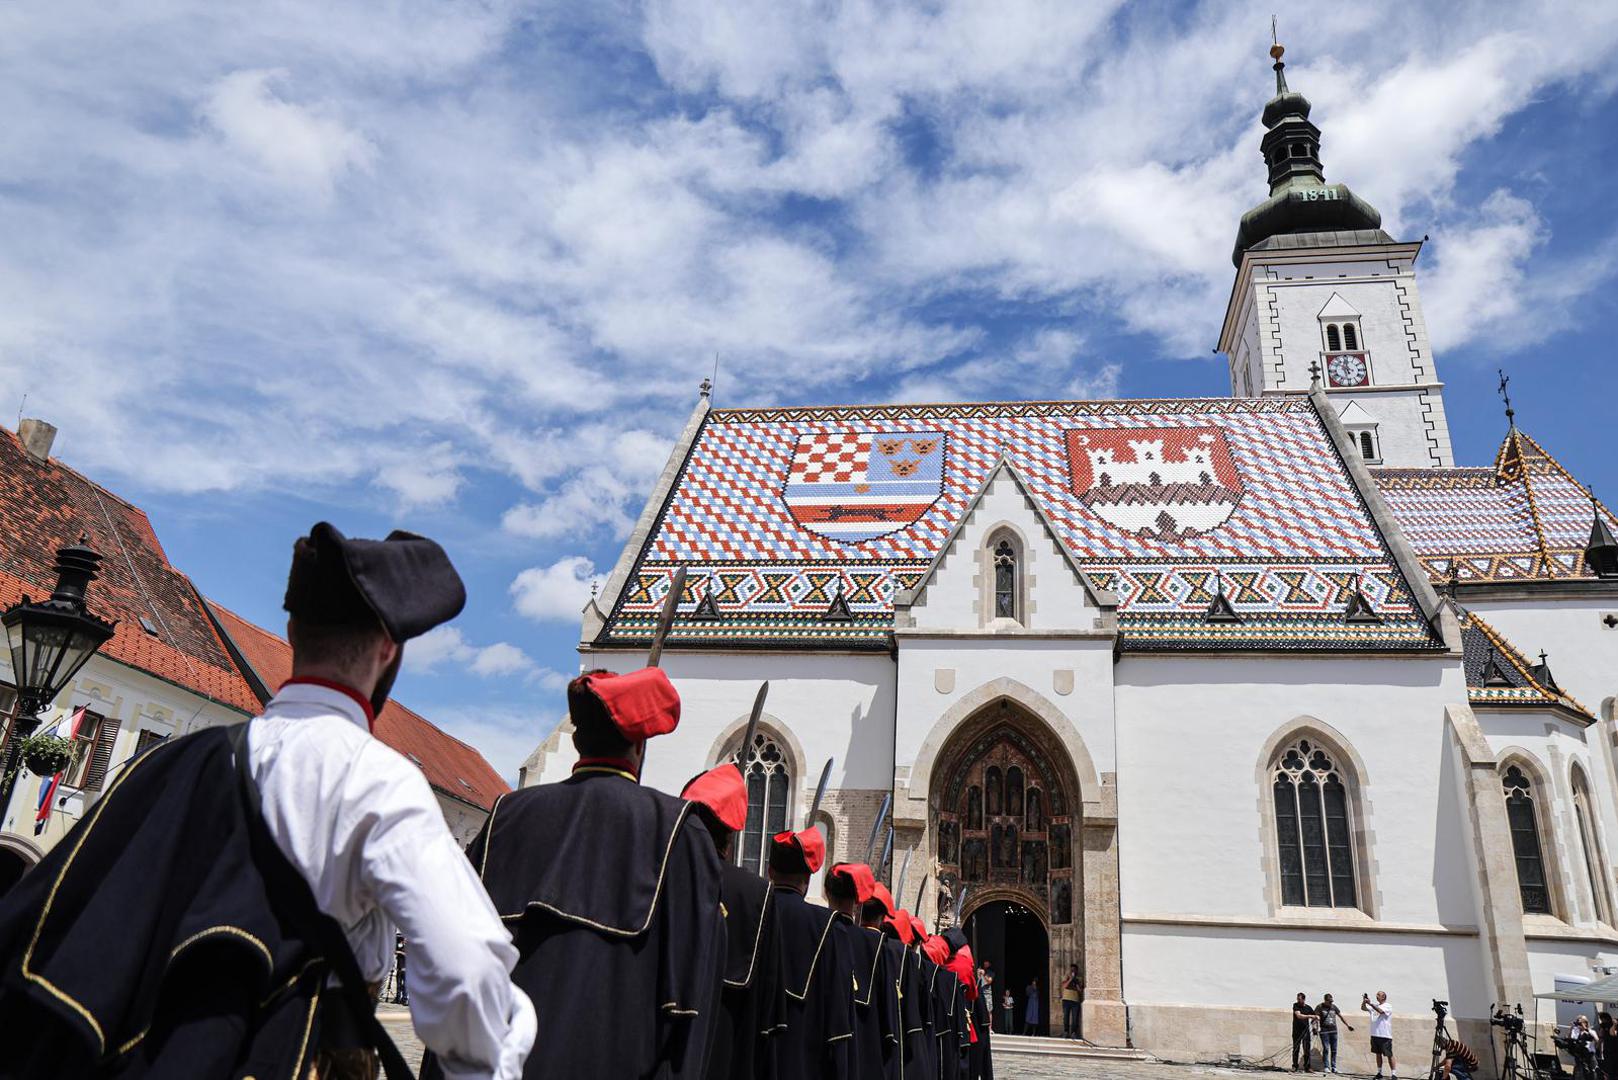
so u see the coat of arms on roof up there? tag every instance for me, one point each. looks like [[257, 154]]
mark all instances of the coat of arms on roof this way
[[859, 485], [1162, 482]]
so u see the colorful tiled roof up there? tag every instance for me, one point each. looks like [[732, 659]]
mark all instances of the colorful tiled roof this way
[[451, 766], [1522, 519], [45, 506], [778, 511], [1498, 675]]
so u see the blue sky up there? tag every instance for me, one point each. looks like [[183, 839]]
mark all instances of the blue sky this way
[[460, 267]]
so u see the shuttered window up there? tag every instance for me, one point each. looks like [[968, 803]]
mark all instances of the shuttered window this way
[[96, 734]]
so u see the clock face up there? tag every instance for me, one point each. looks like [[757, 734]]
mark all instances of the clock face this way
[[1348, 369]]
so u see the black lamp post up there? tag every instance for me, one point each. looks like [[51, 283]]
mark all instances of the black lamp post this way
[[50, 641]]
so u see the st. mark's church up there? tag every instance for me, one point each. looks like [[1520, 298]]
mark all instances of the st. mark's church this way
[[1218, 699]]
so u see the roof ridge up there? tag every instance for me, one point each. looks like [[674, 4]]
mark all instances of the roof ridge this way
[[716, 411]]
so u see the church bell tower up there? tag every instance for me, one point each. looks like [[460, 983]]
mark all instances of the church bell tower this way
[[1320, 287]]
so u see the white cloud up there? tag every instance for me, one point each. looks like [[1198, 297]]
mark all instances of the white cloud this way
[[447, 645], [556, 592], [299, 145]]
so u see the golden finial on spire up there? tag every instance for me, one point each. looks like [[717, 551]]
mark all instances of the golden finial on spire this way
[[1276, 51], [1276, 48]]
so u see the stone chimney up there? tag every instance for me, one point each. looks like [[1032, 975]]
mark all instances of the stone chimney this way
[[37, 437]]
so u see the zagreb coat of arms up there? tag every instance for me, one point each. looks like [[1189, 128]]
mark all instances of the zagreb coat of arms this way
[[1161, 482], [859, 485]]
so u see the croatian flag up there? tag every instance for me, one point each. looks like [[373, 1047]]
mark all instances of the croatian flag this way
[[49, 786]]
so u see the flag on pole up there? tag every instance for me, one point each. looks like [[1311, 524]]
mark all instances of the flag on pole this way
[[48, 787]]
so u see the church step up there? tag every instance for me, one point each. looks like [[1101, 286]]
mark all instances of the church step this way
[[1074, 1048]]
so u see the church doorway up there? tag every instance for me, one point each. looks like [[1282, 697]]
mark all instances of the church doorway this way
[[1009, 935], [1008, 820]]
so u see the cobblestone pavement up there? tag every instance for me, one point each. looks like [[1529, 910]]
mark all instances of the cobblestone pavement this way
[[1007, 1066]]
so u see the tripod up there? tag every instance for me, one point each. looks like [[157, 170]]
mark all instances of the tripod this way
[[1440, 1039], [1517, 1051]]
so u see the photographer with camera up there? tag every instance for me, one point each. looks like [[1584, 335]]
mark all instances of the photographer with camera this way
[[1381, 1032], [1584, 1048]]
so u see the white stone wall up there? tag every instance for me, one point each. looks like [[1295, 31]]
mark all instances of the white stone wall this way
[[139, 702]]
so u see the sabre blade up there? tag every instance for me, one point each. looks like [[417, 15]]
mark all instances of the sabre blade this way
[[752, 725], [887, 852], [904, 873], [921, 891], [820, 791], [665, 618], [960, 901], [876, 828]]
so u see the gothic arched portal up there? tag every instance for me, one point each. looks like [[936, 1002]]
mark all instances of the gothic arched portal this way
[[1006, 824]]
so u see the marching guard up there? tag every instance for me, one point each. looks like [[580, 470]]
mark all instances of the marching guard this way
[[612, 891], [228, 908], [879, 915], [752, 1010], [817, 1041], [876, 1023]]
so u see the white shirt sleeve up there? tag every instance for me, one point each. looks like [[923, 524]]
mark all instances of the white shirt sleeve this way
[[462, 1001]]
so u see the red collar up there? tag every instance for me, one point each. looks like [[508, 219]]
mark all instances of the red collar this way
[[620, 766], [347, 691]]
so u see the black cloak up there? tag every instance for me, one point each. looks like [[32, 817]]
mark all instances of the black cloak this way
[[611, 891], [752, 1008], [817, 1042], [166, 936], [876, 1021]]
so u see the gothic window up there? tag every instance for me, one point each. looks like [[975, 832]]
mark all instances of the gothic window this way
[[1594, 866], [974, 808], [1367, 446], [1525, 844], [1314, 836], [1036, 820], [1014, 788], [1350, 337], [993, 791], [1334, 340], [1005, 580], [769, 781]]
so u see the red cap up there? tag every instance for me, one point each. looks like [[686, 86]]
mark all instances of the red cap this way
[[880, 892], [723, 791], [805, 850], [900, 921], [865, 885], [937, 950], [640, 704], [918, 929], [961, 965]]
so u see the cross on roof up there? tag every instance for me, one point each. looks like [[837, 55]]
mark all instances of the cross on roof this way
[[1314, 370], [1505, 395]]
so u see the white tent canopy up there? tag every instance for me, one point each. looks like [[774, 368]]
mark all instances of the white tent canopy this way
[[1602, 990]]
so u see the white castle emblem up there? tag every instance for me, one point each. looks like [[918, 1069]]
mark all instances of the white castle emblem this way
[[1166, 483]]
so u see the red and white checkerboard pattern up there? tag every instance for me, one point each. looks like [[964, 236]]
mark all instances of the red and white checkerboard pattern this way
[[832, 457]]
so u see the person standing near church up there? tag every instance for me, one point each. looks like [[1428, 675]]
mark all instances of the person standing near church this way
[[752, 1008], [1327, 1017], [612, 890], [817, 1043], [1381, 1031], [1303, 1033], [1072, 991], [298, 832], [1030, 1019]]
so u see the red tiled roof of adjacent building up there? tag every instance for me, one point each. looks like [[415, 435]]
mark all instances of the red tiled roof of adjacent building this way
[[44, 505], [451, 766]]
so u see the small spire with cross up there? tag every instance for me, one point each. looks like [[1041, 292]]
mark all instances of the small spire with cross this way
[[1314, 374], [1505, 395]]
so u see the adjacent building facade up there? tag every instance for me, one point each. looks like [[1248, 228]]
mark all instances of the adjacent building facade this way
[[176, 662], [1218, 699]]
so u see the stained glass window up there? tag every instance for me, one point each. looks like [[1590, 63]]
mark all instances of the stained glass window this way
[[1536, 893], [1005, 580], [768, 783], [1314, 829]]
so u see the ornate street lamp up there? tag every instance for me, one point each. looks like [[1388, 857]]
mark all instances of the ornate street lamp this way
[[50, 641]]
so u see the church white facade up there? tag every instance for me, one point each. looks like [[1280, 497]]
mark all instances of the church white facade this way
[[1218, 699]]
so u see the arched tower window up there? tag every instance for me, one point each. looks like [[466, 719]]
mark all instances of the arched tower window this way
[[1525, 842], [1005, 580], [1351, 337], [1367, 446], [769, 782], [1314, 831], [1334, 340], [1595, 867]]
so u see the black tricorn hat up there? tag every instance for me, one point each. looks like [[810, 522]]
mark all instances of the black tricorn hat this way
[[405, 582]]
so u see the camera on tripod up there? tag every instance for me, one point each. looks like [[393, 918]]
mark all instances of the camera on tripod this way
[[1507, 1019], [1440, 1008]]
